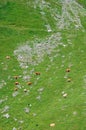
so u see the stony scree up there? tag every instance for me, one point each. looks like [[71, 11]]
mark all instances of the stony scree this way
[[33, 56], [71, 12], [2, 84], [5, 109]]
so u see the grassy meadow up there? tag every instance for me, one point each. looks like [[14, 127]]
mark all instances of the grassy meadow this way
[[48, 37]]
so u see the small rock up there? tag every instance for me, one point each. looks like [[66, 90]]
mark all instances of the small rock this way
[[40, 89], [26, 109], [38, 97], [14, 128], [6, 115], [34, 114], [74, 113], [63, 92], [5, 109], [15, 94], [21, 121]]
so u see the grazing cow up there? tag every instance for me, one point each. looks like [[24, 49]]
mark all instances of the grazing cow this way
[[52, 124], [15, 89], [15, 77], [25, 90], [65, 95], [69, 80], [68, 70], [7, 57], [29, 83], [37, 73], [16, 83]]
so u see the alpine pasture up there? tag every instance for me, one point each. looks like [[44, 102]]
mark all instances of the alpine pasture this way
[[42, 64]]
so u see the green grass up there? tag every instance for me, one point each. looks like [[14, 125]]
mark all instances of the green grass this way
[[82, 2], [18, 24]]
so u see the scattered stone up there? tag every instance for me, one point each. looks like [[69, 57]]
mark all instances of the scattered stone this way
[[5, 67], [14, 70], [19, 86], [15, 119], [3, 100], [21, 121], [62, 65], [64, 45], [34, 114], [40, 89], [26, 109], [74, 113], [5, 109], [26, 77], [9, 77], [38, 78], [20, 128], [38, 97], [63, 92], [14, 128], [6, 115], [65, 76], [35, 55], [15, 94], [2, 84], [2, 63]]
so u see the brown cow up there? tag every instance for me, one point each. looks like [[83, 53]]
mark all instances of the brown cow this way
[[37, 73], [29, 83], [7, 57], [16, 83], [15, 89], [15, 77], [68, 70], [69, 80]]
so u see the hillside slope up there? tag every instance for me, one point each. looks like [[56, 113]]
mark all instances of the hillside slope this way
[[40, 41]]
